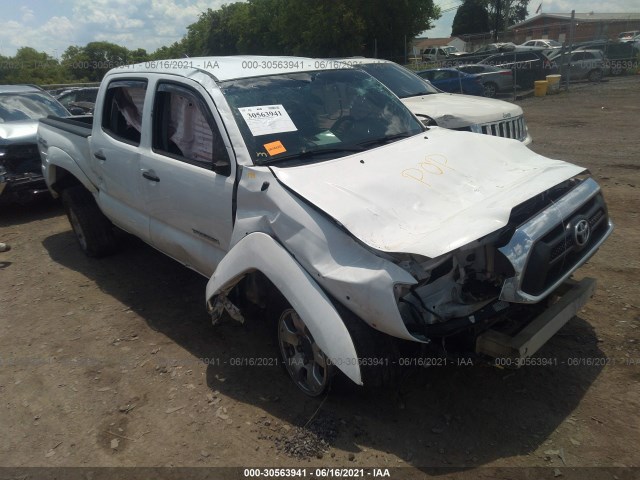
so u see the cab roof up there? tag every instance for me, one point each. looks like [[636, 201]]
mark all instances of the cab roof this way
[[19, 88], [231, 67]]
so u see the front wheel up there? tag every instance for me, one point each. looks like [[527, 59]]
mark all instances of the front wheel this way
[[595, 75], [307, 365], [94, 231], [490, 90]]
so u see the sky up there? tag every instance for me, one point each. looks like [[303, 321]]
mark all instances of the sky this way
[[51, 26]]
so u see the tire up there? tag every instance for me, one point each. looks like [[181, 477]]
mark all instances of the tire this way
[[371, 344], [490, 90], [595, 75], [94, 232], [306, 364]]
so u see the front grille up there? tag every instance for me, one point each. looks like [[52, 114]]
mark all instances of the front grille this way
[[21, 159], [515, 128], [557, 252]]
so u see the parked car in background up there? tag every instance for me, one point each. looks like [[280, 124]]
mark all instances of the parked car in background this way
[[451, 50], [435, 108], [493, 48], [618, 57], [481, 53], [21, 106], [628, 36], [453, 81], [544, 45], [494, 79], [541, 43], [434, 54], [526, 66], [581, 65], [81, 99]]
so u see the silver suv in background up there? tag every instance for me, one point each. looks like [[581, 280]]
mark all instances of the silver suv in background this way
[[454, 111], [581, 64]]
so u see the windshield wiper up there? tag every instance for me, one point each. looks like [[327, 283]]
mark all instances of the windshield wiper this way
[[385, 140], [419, 94]]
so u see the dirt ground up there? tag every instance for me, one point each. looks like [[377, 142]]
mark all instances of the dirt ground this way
[[114, 362]]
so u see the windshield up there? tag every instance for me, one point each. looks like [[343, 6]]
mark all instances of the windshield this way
[[16, 107], [399, 80], [313, 116]]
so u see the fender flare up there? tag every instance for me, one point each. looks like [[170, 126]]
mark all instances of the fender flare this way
[[58, 158], [259, 251]]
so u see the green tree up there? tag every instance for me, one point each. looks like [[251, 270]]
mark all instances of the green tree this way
[[30, 66], [91, 62], [472, 17], [504, 13], [305, 27], [390, 24]]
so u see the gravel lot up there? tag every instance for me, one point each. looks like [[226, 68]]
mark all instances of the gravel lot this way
[[104, 362]]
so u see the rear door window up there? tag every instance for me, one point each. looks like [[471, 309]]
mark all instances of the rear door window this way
[[122, 113]]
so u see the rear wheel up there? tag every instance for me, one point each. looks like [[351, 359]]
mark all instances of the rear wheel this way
[[595, 75], [307, 365], [490, 90], [94, 231]]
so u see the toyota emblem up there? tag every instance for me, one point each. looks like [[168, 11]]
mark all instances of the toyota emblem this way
[[581, 233]]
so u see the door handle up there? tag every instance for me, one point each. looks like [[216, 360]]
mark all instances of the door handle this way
[[150, 175], [99, 155]]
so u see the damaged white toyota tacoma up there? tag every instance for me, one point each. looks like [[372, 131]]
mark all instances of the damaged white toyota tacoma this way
[[314, 193]]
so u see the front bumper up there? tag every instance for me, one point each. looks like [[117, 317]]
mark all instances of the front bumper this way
[[22, 188], [527, 341]]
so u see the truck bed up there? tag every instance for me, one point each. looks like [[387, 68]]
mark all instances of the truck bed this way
[[70, 138]]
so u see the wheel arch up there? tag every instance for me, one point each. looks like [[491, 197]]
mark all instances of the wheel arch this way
[[259, 252], [63, 172]]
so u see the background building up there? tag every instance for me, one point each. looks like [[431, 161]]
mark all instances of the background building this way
[[589, 26]]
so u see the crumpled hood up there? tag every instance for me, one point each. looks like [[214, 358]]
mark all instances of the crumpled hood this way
[[455, 111], [18, 132], [427, 196]]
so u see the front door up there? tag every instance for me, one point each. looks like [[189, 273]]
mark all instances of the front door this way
[[187, 178]]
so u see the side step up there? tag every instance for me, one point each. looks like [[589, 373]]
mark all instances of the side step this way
[[572, 297]]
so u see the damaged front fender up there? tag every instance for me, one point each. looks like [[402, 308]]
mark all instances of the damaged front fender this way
[[261, 252]]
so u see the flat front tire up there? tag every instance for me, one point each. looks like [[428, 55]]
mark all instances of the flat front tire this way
[[307, 365], [94, 232]]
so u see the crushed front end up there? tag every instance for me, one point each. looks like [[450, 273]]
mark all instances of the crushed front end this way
[[507, 293], [20, 174]]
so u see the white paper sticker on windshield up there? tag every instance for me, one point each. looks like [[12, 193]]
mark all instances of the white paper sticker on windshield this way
[[267, 119]]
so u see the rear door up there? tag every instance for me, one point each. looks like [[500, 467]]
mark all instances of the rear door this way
[[115, 154], [188, 177]]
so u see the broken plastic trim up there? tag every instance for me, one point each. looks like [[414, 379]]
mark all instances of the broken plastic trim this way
[[222, 304]]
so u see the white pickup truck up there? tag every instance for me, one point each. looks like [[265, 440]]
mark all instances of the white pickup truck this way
[[313, 192]]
